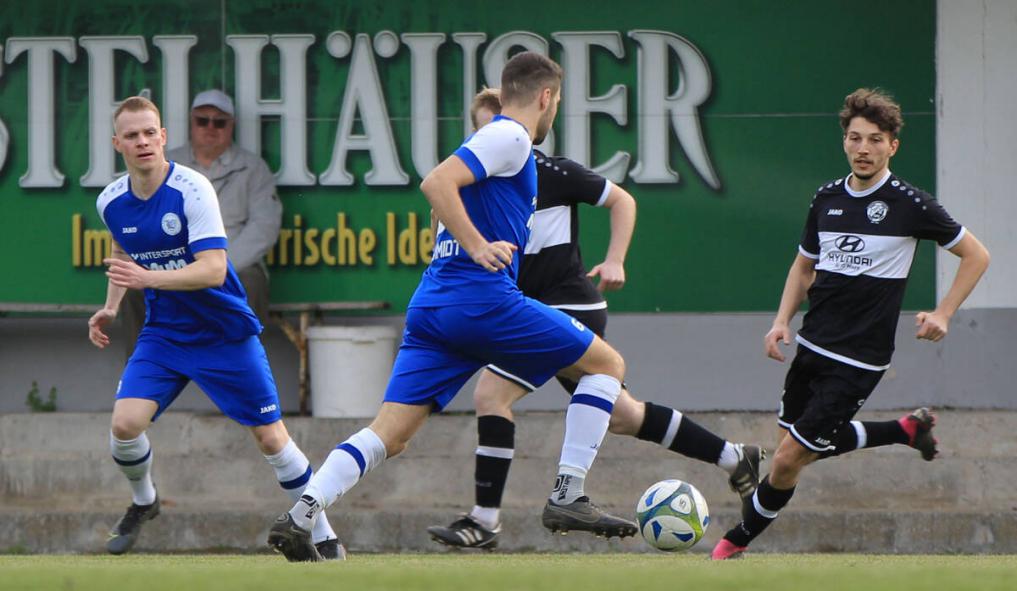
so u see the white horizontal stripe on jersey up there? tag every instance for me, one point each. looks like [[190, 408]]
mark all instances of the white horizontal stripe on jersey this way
[[885, 257], [551, 227], [839, 357], [580, 307]]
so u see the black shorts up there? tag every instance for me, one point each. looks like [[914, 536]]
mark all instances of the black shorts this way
[[821, 395], [595, 320]]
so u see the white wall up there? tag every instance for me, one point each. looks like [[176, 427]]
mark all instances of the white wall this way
[[976, 131]]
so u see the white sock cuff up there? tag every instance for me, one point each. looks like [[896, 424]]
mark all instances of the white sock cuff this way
[[505, 453], [672, 428], [860, 433], [576, 471], [601, 386], [129, 450], [290, 465]]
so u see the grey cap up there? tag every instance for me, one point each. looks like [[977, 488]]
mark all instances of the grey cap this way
[[214, 98]]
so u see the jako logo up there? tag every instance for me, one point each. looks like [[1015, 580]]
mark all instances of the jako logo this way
[[850, 243], [269, 408]]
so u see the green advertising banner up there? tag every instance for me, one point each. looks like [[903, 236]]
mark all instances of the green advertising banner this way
[[719, 117]]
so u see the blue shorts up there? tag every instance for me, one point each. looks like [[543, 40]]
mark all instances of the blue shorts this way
[[234, 375], [442, 347]]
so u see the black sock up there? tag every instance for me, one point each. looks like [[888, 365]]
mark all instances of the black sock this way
[[880, 433], [498, 435], [877, 434], [691, 439], [753, 523]]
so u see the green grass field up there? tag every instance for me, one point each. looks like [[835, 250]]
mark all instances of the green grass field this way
[[497, 572]]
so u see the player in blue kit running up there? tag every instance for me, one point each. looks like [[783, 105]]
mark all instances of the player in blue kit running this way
[[468, 312], [169, 239]]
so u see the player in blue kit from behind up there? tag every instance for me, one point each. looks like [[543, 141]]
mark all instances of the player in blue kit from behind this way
[[169, 239], [468, 312]]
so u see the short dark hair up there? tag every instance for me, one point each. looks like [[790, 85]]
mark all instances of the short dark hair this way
[[525, 75], [490, 99], [136, 103], [875, 106]]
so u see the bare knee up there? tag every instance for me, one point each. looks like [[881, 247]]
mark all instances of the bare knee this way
[[271, 439], [627, 415], [126, 428], [615, 366]]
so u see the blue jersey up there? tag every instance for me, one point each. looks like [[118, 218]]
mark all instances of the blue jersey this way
[[500, 204], [164, 232]]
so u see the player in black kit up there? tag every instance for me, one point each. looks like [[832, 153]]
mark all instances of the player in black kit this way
[[853, 263], [552, 272]]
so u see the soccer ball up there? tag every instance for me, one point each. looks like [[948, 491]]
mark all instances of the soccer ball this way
[[672, 515]]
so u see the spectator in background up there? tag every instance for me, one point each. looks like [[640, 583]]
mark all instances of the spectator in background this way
[[251, 210]]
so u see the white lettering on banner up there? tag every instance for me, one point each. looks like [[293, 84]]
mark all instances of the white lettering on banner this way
[[661, 111], [577, 104], [657, 107], [291, 106], [176, 100], [424, 107], [469, 42], [42, 170], [102, 103], [363, 95]]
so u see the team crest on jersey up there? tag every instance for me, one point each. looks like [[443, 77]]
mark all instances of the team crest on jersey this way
[[877, 211], [171, 224]]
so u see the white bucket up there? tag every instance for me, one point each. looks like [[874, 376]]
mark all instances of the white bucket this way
[[349, 369]]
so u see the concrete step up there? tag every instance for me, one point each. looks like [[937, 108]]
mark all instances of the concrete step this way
[[398, 529], [62, 461]]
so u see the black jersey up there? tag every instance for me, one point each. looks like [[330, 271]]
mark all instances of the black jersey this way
[[552, 270], [863, 244]]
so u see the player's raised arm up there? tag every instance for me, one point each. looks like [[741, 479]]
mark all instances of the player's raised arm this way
[[441, 188], [623, 222]]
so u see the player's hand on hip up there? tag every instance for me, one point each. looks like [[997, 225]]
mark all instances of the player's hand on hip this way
[[772, 340], [95, 325], [494, 256], [612, 276], [931, 326], [126, 273]]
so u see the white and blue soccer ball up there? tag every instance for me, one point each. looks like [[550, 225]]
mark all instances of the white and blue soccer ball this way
[[672, 515]]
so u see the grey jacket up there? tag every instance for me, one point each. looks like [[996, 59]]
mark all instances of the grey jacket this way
[[250, 208]]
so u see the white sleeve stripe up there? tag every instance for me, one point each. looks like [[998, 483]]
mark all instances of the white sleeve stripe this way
[[806, 253], [607, 191], [956, 240], [206, 235]]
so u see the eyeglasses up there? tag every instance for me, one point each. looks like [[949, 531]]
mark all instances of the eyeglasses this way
[[216, 122]]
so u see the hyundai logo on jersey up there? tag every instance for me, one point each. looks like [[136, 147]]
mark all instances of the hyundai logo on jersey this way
[[850, 243]]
